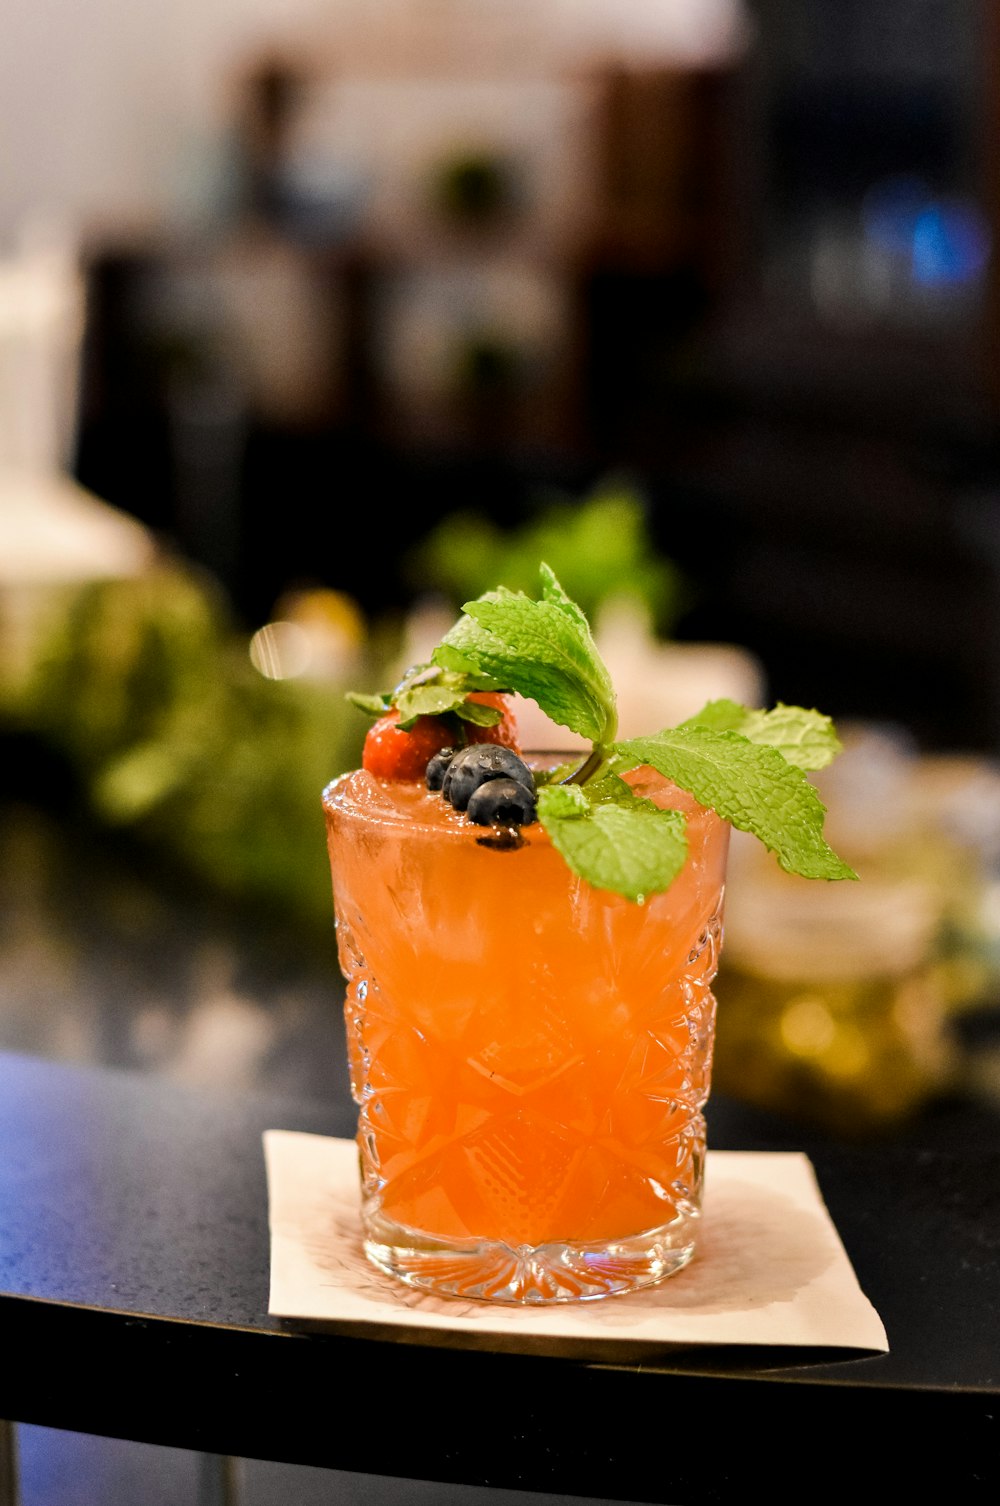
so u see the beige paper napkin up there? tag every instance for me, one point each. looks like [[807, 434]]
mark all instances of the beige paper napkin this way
[[770, 1268]]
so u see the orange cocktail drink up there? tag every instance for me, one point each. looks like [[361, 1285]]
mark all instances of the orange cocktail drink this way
[[530, 1055]]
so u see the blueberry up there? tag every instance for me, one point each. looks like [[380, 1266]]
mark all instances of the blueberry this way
[[478, 763], [438, 766], [502, 802]]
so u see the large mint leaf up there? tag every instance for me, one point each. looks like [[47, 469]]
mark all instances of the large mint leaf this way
[[552, 591], [750, 785], [629, 846], [543, 650], [805, 738]]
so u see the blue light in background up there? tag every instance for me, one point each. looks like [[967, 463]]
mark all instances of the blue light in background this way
[[950, 245], [943, 242]]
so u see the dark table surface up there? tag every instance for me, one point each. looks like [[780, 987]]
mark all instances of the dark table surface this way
[[133, 1302]]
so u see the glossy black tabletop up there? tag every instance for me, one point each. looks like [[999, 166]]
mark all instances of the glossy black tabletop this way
[[133, 1302]]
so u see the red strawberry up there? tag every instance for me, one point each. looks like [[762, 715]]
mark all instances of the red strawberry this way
[[503, 732], [391, 753]]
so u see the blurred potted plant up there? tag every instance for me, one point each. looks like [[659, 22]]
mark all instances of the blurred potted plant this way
[[146, 689], [601, 548]]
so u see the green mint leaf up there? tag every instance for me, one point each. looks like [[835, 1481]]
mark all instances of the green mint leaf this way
[[609, 788], [807, 739], [543, 650], [563, 801], [750, 785], [426, 700], [371, 705], [628, 846], [429, 690], [421, 676], [435, 700], [553, 592], [479, 715]]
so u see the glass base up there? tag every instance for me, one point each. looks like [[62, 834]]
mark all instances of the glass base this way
[[529, 1275]]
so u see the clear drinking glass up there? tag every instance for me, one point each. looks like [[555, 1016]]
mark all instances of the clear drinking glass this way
[[530, 1056]]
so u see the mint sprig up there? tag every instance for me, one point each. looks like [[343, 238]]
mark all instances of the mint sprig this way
[[430, 690], [627, 842], [543, 650], [748, 765], [751, 785], [805, 738]]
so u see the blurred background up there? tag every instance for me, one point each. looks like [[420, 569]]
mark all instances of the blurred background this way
[[317, 319], [314, 324]]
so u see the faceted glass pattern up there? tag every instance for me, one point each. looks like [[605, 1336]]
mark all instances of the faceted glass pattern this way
[[530, 1057]]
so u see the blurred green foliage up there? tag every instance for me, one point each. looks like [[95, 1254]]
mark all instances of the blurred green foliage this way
[[146, 689], [600, 548]]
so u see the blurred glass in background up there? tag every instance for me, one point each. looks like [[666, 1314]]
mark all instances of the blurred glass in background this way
[[843, 1004]]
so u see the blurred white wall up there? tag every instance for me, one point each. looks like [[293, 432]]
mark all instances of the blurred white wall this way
[[109, 108], [103, 102]]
